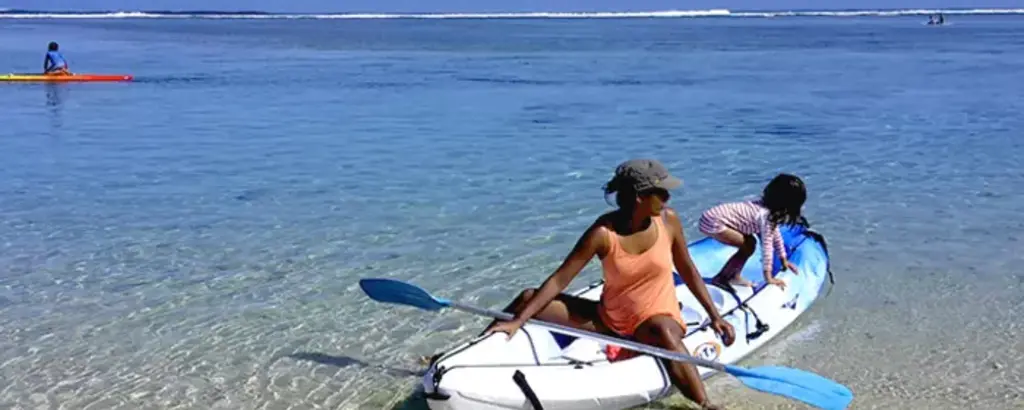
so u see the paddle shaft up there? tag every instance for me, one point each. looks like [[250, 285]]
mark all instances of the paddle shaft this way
[[651, 350]]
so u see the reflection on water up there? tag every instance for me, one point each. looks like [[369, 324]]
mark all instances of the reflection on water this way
[[56, 94]]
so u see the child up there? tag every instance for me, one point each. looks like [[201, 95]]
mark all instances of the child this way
[[735, 224], [54, 63]]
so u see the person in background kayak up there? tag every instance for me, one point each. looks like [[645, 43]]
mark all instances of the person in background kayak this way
[[736, 223], [638, 245], [54, 63]]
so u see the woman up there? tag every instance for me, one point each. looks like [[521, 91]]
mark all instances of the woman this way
[[638, 244]]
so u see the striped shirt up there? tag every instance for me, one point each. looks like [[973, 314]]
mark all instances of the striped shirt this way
[[750, 218]]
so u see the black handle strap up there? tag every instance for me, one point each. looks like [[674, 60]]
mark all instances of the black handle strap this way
[[520, 380]]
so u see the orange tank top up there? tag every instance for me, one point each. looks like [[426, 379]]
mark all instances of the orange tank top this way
[[637, 287]]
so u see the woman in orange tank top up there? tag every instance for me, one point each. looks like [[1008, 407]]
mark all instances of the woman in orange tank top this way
[[638, 244]]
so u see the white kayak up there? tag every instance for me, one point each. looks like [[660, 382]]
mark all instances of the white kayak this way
[[562, 372]]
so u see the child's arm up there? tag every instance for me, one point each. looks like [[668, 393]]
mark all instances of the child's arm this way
[[767, 256], [780, 246], [768, 246], [786, 264]]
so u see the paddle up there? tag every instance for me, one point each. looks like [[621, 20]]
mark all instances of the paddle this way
[[804, 386]]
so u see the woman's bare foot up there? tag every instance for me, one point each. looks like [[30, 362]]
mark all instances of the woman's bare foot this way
[[708, 406], [429, 360]]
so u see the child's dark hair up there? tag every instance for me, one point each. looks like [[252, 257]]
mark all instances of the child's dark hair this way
[[784, 197], [53, 46]]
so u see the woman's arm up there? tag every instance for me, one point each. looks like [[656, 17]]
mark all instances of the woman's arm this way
[[684, 264], [588, 245]]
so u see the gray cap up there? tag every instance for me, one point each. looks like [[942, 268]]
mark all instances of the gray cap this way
[[642, 174]]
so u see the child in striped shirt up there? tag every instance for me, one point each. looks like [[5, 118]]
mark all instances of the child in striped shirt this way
[[736, 223]]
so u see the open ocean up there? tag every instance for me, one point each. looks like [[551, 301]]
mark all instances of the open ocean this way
[[193, 240]]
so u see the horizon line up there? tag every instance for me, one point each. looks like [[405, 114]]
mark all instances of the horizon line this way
[[675, 13]]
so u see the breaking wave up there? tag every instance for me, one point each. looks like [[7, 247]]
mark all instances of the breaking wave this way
[[36, 14]]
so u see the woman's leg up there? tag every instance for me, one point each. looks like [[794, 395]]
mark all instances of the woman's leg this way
[[745, 245], [563, 309], [663, 331]]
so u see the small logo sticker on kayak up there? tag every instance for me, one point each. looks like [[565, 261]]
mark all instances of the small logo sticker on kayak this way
[[791, 304], [708, 351]]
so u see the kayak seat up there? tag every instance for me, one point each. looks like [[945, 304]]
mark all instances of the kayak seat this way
[[563, 341], [691, 315], [717, 297], [544, 343], [584, 351]]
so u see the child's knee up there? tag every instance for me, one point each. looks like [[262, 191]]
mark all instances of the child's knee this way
[[749, 244]]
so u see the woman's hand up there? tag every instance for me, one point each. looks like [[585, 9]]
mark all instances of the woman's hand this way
[[724, 330], [509, 327]]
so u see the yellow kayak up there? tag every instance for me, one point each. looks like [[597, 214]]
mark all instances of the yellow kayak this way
[[65, 78]]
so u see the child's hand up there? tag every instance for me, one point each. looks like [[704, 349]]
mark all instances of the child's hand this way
[[790, 266], [776, 281]]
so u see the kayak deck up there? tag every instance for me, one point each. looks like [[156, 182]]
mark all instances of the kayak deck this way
[[29, 77]]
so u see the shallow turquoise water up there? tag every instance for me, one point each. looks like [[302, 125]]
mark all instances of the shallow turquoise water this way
[[193, 239]]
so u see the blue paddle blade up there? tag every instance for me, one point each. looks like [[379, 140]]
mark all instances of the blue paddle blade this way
[[796, 384], [398, 292]]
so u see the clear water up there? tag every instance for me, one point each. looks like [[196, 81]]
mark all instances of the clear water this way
[[193, 239]]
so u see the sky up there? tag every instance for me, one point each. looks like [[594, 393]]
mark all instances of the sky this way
[[397, 6]]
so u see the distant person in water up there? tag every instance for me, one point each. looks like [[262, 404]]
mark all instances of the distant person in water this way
[[54, 63]]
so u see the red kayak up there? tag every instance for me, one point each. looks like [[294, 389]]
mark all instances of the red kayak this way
[[66, 78]]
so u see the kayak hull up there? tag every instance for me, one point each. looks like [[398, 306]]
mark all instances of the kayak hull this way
[[74, 78], [566, 373]]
